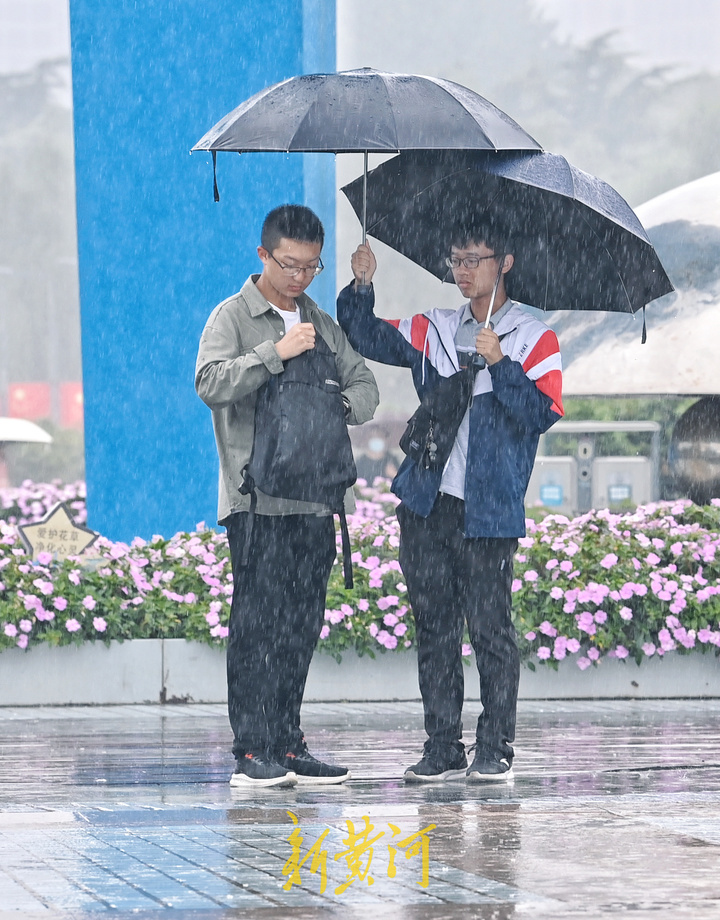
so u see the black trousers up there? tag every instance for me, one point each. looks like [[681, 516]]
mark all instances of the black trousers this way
[[278, 609], [452, 581]]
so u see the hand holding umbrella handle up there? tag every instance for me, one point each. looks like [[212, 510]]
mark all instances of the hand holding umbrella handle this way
[[363, 264]]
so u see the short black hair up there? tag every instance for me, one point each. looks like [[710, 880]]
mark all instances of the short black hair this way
[[483, 228], [291, 222]]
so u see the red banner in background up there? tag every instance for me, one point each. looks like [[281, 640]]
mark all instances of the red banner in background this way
[[71, 405], [29, 400]]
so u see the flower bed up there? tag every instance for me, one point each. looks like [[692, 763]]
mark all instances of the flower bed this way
[[635, 585]]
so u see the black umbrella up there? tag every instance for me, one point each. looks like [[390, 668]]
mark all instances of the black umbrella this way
[[361, 111], [577, 243]]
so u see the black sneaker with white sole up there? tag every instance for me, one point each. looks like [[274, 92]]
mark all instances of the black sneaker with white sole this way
[[258, 769], [489, 769], [436, 767], [310, 771]]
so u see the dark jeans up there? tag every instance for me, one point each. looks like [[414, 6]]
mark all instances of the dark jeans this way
[[452, 581], [278, 610]]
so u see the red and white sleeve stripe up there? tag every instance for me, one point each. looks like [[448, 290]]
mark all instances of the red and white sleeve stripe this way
[[544, 366]]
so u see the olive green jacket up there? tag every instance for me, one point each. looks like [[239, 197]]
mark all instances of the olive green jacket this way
[[237, 355]]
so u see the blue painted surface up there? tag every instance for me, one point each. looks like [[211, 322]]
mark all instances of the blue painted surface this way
[[156, 252]]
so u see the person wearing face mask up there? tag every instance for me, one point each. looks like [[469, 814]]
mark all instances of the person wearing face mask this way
[[376, 460]]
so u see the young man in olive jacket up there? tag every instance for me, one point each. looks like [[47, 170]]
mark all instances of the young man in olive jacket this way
[[279, 590]]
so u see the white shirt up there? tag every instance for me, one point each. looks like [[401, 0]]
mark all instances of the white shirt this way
[[453, 478]]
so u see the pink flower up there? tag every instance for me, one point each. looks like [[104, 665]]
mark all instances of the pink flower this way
[[466, 649], [89, 602], [363, 604], [99, 624], [543, 652], [583, 663], [556, 593], [531, 575], [516, 585], [593, 654], [390, 619], [626, 613], [44, 558], [10, 630], [212, 618], [621, 652], [530, 636], [585, 622], [22, 642], [600, 616], [551, 564], [667, 643], [59, 603], [560, 648], [390, 601], [400, 629], [547, 629], [25, 625], [373, 629], [609, 561], [72, 625], [652, 559], [325, 632], [573, 646], [649, 649], [566, 566]]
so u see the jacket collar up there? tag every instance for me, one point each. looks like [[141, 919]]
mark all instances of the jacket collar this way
[[257, 305]]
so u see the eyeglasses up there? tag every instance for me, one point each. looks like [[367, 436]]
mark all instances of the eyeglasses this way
[[291, 271], [468, 261]]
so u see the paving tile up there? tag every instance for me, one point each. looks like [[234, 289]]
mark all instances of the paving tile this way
[[126, 810]]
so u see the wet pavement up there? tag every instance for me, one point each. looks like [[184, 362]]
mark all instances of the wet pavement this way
[[126, 811]]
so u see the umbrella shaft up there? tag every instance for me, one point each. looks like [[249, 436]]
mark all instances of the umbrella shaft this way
[[494, 292]]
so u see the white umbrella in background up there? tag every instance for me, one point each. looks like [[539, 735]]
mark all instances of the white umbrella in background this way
[[602, 353], [18, 430]]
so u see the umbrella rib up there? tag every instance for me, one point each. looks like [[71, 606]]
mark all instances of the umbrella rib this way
[[447, 92]]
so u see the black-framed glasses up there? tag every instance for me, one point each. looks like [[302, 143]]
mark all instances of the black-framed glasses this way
[[291, 270], [468, 261]]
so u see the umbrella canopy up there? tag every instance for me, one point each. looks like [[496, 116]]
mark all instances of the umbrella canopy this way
[[365, 110], [681, 354], [22, 430], [577, 243]]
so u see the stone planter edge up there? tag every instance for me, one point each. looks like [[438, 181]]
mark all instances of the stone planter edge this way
[[177, 671]]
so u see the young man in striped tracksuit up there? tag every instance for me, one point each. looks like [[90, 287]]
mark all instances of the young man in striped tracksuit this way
[[460, 524]]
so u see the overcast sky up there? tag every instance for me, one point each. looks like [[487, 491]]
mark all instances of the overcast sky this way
[[684, 33]]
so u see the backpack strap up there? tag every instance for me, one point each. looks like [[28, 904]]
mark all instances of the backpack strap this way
[[248, 488], [347, 556]]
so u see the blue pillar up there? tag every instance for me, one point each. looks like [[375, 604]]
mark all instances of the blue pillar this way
[[156, 253]]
